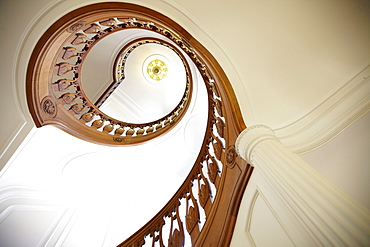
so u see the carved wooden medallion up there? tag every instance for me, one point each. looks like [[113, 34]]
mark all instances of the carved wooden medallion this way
[[49, 107], [76, 27], [231, 156]]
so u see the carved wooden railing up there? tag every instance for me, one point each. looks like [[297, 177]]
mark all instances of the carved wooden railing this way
[[207, 202], [213, 189], [68, 88], [56, 96]]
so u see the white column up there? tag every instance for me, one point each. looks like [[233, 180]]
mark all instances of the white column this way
[[325, 211]]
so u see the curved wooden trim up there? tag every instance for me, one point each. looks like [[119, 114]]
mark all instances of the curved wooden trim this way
[[224, 118]]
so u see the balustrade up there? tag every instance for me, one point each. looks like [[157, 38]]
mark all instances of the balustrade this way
[[206, 204]]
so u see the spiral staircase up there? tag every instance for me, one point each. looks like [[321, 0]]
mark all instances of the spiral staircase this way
[[160, 117]]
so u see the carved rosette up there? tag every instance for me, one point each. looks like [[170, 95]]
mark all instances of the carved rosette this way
[[118, 139], [231, 156], [76, 27], [48, 107]]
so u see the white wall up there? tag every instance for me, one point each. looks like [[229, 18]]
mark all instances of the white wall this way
[[345, 160]]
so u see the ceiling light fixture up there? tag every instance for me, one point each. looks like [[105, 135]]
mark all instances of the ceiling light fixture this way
[[157, 69]]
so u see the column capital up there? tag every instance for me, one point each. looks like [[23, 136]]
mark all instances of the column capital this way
[[250, 138]]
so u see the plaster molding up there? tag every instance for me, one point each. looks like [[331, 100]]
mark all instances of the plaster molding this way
[[250, 214], [294, 227], [13, 135], [21, 198], [11, 193], [275, 217], [17, 94], [52, 235], [329, 118], [26, 199]]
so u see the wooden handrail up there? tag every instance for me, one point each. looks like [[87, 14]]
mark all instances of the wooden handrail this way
[[216, 183]]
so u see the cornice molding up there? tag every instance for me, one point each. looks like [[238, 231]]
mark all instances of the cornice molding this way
[[329, 118]]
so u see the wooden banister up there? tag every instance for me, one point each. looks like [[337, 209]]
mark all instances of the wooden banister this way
[[215, 184]]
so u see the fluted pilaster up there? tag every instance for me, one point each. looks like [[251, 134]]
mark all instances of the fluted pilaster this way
[[330, 215]]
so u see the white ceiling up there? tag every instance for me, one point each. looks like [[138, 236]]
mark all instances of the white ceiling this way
[[283, 57], [138, 99]]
